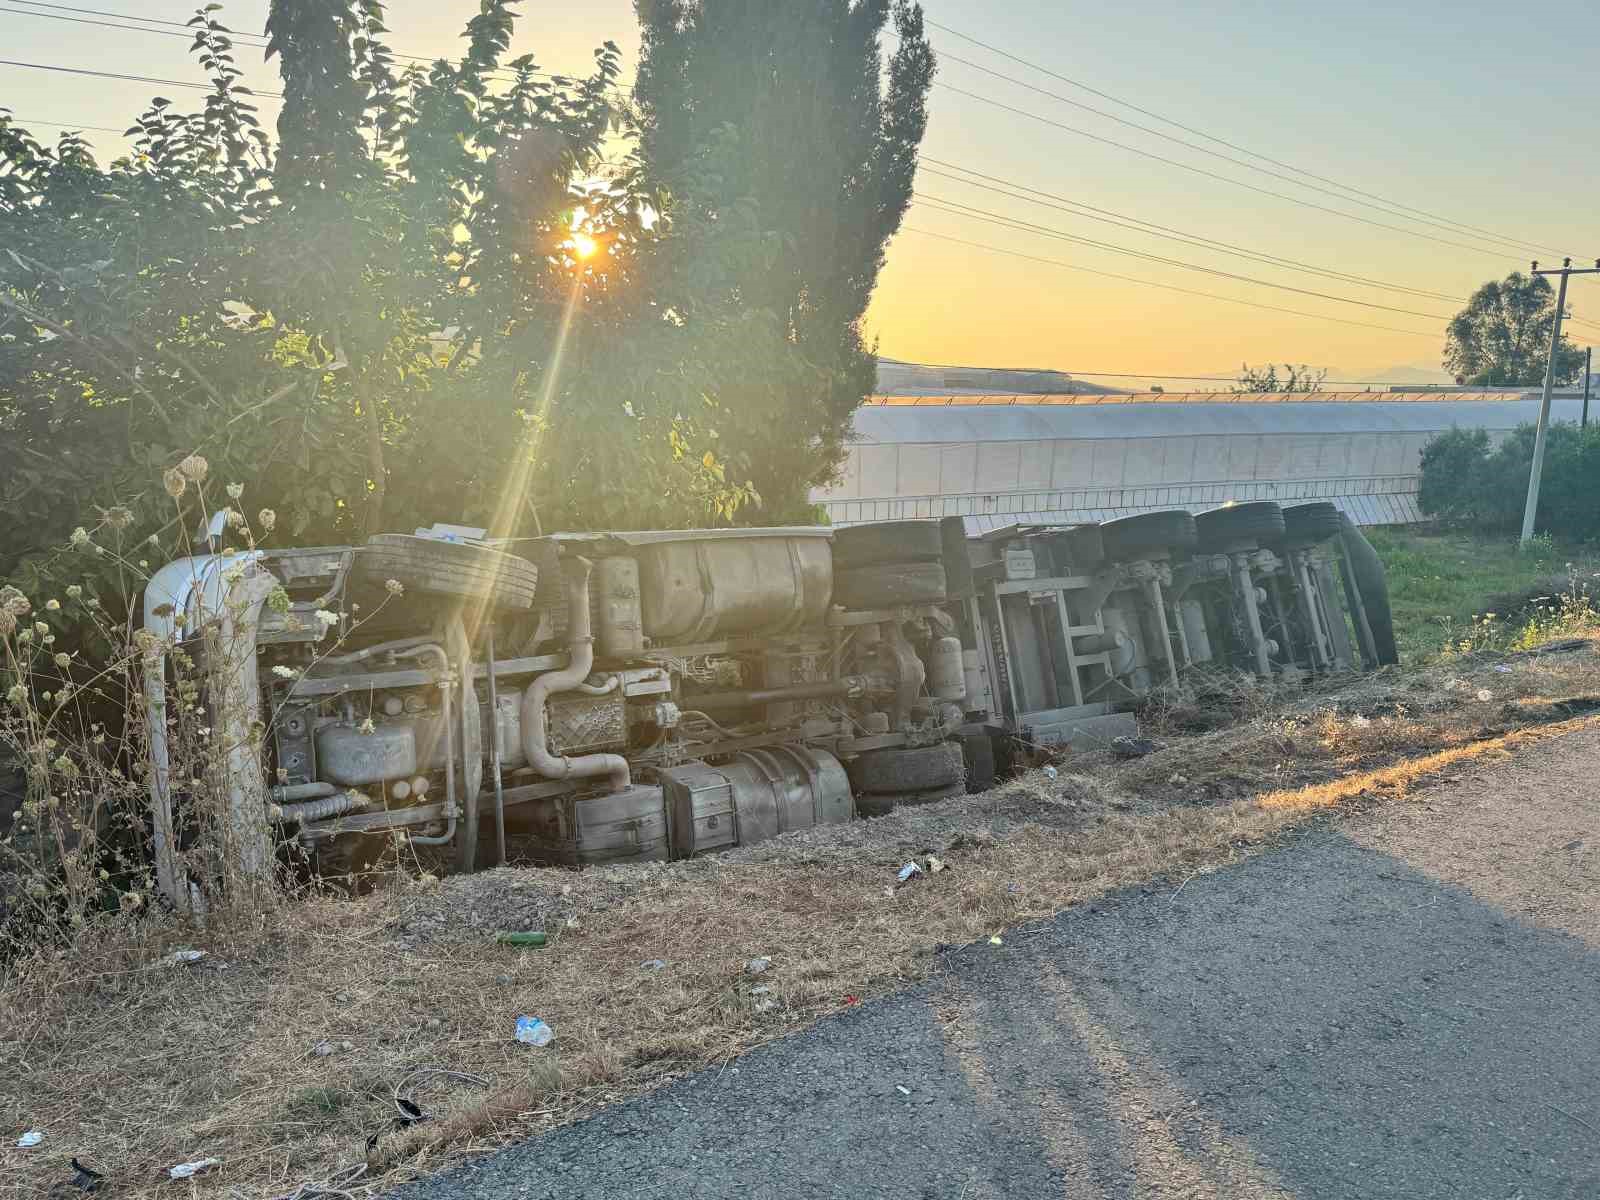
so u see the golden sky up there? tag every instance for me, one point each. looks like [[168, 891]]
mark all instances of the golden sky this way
[[1444, 109]]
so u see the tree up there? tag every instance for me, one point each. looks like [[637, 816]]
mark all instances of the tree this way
[[1266, 379], [380, 317], [1502, 337], [786, 152]]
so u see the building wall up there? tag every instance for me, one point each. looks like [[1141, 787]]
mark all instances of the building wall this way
[[1074, 459]]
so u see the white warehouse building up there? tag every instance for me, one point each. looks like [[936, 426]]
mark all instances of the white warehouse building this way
[[1000, 460]]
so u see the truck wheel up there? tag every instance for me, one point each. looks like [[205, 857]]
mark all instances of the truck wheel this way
[[933, 795], [881, 804], [450, 569], [920, 769], [1080, 549], [889, 585], [1366, 569], [1130, 538], [1260, 521], [1312, 524], [977, 749], [887, 542]]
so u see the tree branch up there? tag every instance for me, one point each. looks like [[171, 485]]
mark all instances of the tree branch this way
[[105, 359]]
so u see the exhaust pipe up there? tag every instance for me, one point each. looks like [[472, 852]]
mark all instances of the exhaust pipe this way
[[580, 660]]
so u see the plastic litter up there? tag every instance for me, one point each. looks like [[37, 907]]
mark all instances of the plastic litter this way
[[852, 999], [179, 957], [757, 965], [766, 1004], [995, 941], [30, 1139], [935, 865], [1051, 772], [1134, 747], [1485, 695], [1502, 669], [534, 1032], [530, 937], [189, 1170], [902, 1089], [908, 872], [653, 964], [85, 1179]]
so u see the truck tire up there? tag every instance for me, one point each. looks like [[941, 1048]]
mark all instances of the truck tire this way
[[889, 585], [1366, 570], [977, 751], [881, 804], [887, 542], [448, 569], [1080, 549], [1130, 538], [1260, 521], [918, 769], [1312, 524]]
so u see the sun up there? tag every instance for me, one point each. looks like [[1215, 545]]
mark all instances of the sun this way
[[583, 246]]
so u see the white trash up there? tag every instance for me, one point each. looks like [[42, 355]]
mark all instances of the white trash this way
[[189, 1170], [534, 1032], [30, 1139]]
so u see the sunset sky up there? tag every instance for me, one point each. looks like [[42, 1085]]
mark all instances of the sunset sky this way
[[1464, 110]]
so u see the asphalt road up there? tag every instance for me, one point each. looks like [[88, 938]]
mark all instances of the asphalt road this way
[[1378, 1009]]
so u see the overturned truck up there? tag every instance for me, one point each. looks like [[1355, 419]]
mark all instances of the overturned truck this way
[[654, 695]]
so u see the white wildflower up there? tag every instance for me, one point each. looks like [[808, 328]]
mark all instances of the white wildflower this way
[[367, 726], [63, 659], [267, 519], [79, 538], [394, 587], [235, 490], [194, 468], [172, 479], [328, 619], [283, 672], [74, 591], [52, 605]]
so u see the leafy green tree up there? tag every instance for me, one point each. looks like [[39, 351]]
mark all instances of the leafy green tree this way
[[785, 147], [1502, 337], [1266, 379]]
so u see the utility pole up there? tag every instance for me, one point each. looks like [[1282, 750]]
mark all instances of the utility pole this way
[[1566, 270], [1588, 374]]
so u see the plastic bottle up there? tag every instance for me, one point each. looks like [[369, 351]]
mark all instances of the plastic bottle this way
[[534, 1032]]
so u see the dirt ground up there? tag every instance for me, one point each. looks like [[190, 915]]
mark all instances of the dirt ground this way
[[291, 1050]]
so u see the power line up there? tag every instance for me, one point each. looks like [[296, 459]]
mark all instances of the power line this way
[[964, 210], [180, 29], [1170, 287], [1239, 183], [1137, 225], [1212, 138], [1512, 246], [203, 87], [71, 127]]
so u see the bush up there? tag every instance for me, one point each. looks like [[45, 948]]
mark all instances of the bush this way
[[1467, 481]]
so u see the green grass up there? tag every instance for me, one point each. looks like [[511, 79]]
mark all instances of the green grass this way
[[1438, 582]]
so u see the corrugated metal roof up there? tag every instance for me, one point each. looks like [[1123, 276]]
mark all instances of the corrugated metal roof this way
[[896, 424], [986, 399]]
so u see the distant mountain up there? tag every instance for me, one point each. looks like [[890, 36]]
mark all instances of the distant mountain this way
[[896, 378], [1390, 375]]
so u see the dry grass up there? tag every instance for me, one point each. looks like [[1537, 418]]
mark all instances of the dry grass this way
[[134, 1067]]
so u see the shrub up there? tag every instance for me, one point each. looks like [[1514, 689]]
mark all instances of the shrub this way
[[1467, 481]]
